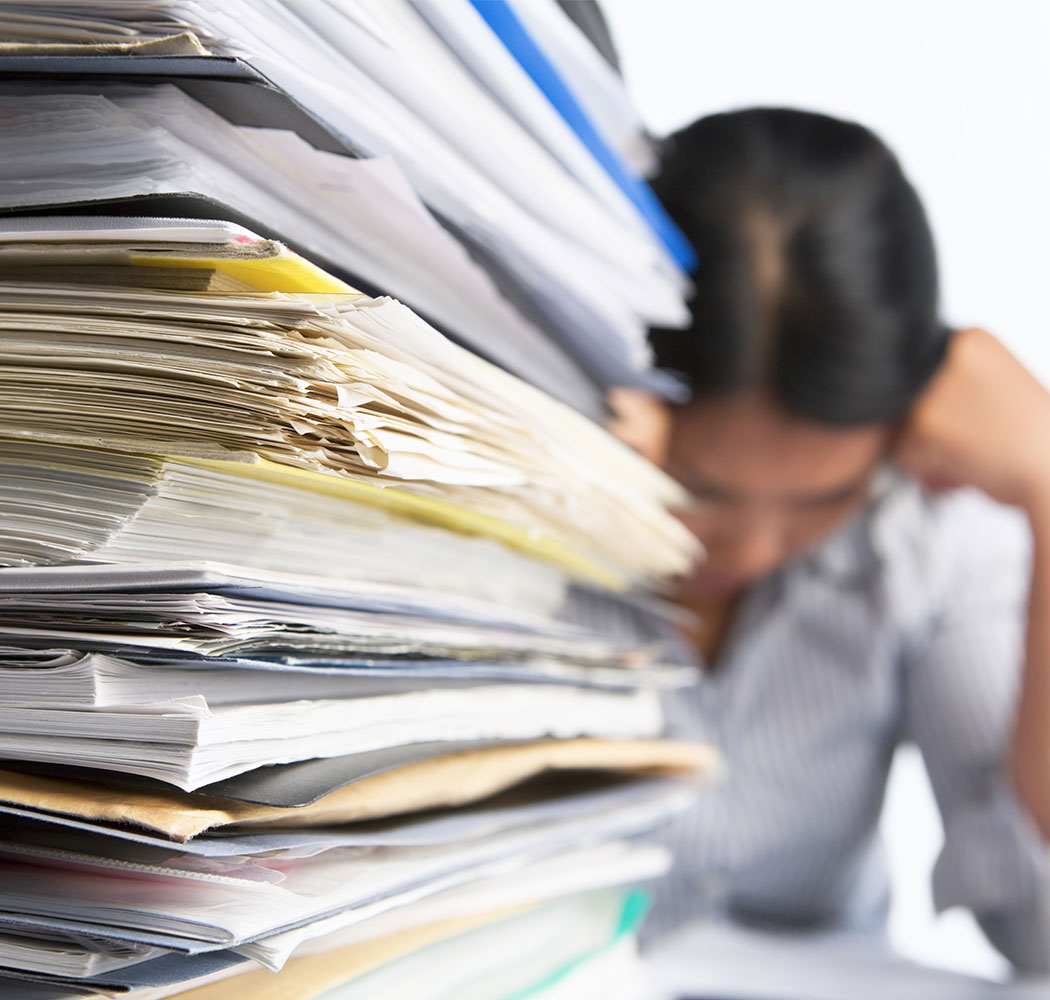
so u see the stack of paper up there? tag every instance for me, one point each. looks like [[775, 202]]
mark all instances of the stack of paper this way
[[361, 213], [150, 905], [521, 146], [290, 581], [333, 383], [330, 653]]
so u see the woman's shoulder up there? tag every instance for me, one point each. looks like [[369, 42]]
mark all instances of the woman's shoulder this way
[[935, 548]]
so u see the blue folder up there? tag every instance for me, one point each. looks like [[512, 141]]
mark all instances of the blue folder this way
[[501, 18]]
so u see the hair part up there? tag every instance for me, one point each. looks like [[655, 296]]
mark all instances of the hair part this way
[[817, 278]]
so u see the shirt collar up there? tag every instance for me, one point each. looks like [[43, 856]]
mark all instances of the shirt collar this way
[[854, 553]]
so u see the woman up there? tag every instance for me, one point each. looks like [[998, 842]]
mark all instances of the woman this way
[[852, 596]]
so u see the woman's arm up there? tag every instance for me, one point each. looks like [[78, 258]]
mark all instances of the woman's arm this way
[[984, 421], [1030, 747]]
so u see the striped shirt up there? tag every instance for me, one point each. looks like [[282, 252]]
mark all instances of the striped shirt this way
[[907, 624]]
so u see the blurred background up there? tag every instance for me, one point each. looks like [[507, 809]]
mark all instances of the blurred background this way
[[960, 89]]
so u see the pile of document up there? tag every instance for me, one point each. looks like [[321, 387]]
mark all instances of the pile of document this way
[[499, 117], [301, 604], [331, 661]]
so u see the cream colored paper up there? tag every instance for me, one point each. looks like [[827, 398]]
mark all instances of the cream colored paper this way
[[334, 384], [453, 780], [184, 44]]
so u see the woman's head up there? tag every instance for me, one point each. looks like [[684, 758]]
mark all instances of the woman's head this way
[[815, 326]]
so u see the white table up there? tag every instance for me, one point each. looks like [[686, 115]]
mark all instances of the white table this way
[[719, 961]]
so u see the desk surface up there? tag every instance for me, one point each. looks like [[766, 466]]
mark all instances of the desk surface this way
[[711, 960]]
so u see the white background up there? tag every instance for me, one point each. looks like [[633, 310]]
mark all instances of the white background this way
[[960, 89]]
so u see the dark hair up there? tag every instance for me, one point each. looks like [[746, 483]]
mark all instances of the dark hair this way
[[817, 277]]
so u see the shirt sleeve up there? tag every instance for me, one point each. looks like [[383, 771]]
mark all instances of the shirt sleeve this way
[[962, 670]]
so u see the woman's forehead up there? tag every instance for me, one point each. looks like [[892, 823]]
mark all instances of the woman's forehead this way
[[747, 444]]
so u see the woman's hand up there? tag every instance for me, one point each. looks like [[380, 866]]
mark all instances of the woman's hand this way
[[983, 421]]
